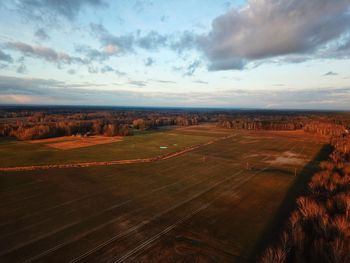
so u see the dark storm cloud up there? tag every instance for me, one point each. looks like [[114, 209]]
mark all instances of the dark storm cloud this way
[[268, 28], [51, 9], [5, 57]]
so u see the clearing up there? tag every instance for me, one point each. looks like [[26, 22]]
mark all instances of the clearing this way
[[204, 205], [73, 142], [142, 145]]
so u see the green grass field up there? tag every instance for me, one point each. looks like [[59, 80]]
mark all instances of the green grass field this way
[[142, 145], [213, 204]]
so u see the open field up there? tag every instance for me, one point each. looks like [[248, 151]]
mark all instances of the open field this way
[[214, 203], [143, 145], [73, 142]]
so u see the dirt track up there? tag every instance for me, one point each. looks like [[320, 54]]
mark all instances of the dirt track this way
[[115, 162]]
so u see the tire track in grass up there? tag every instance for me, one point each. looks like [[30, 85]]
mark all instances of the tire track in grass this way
[[71, 201], [77, 222], [83, 198], [164, 213], [49, 251], [129, 200], [10, 189], [114, 162], [61, 245], [106, 243], [158, 216], [55, 248], [146, 222], [164, 157], [147, 243], [83, 220]]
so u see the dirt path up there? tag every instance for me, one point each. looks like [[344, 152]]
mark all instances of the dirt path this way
[[115, 162]]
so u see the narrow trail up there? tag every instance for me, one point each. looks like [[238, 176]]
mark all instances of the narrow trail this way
[[115, 162]]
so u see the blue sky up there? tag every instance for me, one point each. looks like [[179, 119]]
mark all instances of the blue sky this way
[[250, 54]]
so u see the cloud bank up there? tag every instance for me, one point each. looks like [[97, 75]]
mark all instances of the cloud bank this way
[[32, 90], [52, 9], [269, 28], [43, 52]]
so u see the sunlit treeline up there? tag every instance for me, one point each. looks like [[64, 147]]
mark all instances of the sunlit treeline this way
[[319, 229], [45, 124]]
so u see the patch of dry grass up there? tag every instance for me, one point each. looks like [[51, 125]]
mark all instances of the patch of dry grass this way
[[73, 142]]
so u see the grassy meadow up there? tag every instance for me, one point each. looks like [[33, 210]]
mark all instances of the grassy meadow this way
[[213, 204], [142, 145]]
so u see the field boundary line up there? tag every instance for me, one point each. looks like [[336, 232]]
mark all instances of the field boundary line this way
[[130, 230], [126, 234], [146, 243], [115, 162]]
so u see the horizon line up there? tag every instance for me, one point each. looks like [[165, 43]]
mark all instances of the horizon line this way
[[176, 107]]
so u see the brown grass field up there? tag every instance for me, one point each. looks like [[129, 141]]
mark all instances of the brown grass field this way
[[73, 142], [217, 203]]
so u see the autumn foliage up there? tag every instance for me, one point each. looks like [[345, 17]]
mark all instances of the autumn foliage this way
[[319, 229], [47, 123]]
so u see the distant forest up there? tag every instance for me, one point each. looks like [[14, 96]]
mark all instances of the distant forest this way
[[39, 123], [317, 230]]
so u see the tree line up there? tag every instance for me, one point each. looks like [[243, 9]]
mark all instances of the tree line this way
[[317, 125], [23, 131], [39, 123], [319, 229], [28, 125]]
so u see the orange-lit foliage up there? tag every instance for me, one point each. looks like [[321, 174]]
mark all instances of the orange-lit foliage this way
[[328, 129], [319, 229], [47, 123]]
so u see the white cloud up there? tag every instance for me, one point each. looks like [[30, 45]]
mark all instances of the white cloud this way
[[267, 28]]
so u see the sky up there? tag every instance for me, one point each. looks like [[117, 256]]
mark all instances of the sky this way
[[268, 54]]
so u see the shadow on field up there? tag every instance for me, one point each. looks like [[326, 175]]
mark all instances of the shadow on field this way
[[278, 171], [275, 227]]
